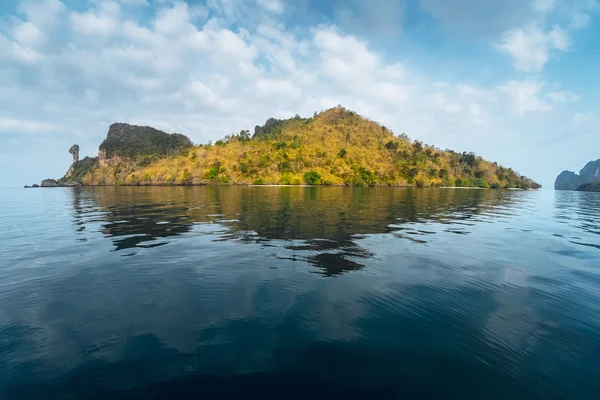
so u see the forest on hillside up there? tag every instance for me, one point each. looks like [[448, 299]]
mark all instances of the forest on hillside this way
[[334, 147]]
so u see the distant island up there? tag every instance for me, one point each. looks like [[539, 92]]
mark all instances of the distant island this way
[[335, 147], [589, 187], [586, 180]]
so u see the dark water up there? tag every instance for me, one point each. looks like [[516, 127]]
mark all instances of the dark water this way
[[148, 293]]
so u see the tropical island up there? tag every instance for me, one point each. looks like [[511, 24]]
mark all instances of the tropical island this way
[[336, 147], [588, 179]]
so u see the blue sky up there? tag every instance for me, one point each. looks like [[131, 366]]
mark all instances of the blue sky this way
[[513, 80]]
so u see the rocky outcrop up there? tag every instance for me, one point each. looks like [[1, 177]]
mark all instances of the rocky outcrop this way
[[78, 170], [74, 150], [125, 143], [50, 183], [589, 187], [569, 180]]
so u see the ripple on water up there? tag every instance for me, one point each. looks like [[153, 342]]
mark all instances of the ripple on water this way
[[362, 292]]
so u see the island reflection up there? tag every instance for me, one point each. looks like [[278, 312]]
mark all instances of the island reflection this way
[[323, 226]]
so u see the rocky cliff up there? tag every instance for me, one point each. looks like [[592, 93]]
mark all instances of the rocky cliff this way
[[589, 187], [78, 170], [569, 180], [126, 142]]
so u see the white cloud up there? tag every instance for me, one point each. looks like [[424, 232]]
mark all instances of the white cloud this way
[[28, 34], [102, 22], [42, 12], [580, 20], [584, 118], [544, 5], [531, 47], [274, 88], [11, 51], [275, 6], [174, 20], [134, 2], [10, 125], [561, 97], [206, 78], [344, 56], [525, 96]]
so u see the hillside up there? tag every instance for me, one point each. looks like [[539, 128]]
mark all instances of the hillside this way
[[335, 147], [589, 187]]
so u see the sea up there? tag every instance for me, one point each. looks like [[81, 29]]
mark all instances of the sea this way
[[299, 293]]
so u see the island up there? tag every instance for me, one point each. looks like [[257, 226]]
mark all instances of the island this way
[[336, 147], [589, 187], [589, 175]]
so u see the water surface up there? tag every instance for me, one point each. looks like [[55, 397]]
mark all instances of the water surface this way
[[149, 293]]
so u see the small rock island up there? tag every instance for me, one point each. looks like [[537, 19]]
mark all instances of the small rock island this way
[[588, 178], [336, 147]]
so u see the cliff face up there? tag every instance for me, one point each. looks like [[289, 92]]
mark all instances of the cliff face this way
[[589, 187], [125, 143], [569, 180], [78, 170]]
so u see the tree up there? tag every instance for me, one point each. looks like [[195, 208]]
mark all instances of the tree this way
[[244, 135], [312, 178]]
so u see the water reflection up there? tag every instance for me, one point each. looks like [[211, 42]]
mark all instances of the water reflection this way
[[228, 293], [322, 226]]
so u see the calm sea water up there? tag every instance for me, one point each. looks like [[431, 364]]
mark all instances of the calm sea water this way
[[151, 293]]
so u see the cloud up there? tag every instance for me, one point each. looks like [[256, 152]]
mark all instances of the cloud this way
[[561, 97], [134, 2], [275, 6], [42, 12], [210, 71], [580, 20], [9, 125], [531, 47], [544, 5], [101, 22], [28, 34], [584, 119], [525, 96]]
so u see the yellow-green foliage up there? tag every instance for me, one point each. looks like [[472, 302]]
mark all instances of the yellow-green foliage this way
[[336, 147]]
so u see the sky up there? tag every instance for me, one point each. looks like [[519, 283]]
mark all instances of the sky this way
[[515, 81]]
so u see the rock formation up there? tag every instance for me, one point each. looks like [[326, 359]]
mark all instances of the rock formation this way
[[589, 187], [569, 180], [50, 183], [74, 150], [126, 142]]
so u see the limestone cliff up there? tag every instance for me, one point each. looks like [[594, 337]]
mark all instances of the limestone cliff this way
[[569, 180], [78, 170], [589, 187], [125, 143]]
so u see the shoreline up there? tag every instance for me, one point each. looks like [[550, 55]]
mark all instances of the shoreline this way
[[269, 185]]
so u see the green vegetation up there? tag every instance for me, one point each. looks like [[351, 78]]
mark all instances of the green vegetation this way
[[312, 178], [80, 170], [335, 147]]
